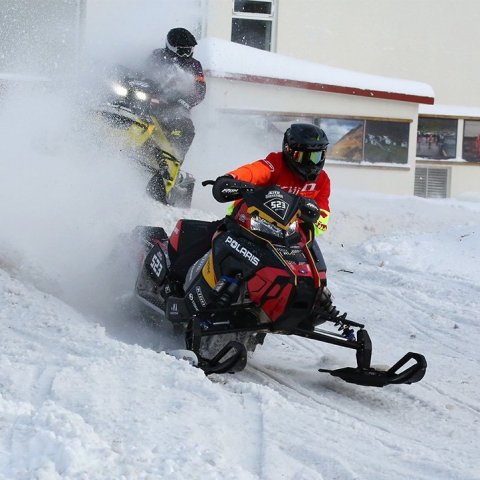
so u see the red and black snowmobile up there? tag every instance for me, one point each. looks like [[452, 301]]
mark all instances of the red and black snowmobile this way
[[264, 273]]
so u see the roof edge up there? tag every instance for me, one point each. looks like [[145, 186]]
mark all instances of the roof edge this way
[[323, 87]]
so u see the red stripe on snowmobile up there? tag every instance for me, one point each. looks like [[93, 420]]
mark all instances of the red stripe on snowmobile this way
[[317, 276], [175, 236], [271, 288]]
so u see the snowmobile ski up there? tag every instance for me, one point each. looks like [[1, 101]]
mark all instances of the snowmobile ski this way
[[184, 354], [234, 355]]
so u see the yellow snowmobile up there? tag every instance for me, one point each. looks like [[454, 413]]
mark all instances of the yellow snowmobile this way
[[133, 114]]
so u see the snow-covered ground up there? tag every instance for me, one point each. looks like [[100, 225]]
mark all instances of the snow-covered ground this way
[[84, 394], [87, 394]]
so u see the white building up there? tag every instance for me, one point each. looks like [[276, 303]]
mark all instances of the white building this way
[[430, 41], [408, 50], [371, 121]]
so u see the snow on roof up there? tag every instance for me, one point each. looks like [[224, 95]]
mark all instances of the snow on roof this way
[[449, 110], [221, 58]]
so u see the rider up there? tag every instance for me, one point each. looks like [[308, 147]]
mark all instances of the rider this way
[[182, 83], [297, 169]]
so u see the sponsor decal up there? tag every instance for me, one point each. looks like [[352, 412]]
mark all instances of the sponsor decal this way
[[156, 265], [139, 83], [290, 189], [278, 206], [309, 187], [200, 296], [173, 309], [192, 301], [274, 193], [292, 251], [196, 267], [292, 254], [242, 250]]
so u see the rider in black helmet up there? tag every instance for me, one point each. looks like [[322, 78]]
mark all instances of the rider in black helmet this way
[[304, 150], [181, 42], [297, 169], [182, 86]]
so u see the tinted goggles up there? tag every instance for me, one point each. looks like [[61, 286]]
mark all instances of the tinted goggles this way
[[304, 157]]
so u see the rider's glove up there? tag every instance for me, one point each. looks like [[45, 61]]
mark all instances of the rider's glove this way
[[221, 188], [322, 223], [310, 211]]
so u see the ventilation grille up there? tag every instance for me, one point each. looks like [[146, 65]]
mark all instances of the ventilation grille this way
[[431, 182]]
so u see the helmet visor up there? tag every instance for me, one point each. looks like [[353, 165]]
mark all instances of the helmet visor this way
[[305, 157]]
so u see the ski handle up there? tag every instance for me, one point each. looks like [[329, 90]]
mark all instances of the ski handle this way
[[227, 189]]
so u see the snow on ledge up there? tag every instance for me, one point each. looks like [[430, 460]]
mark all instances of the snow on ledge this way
[[449, 110], [224, 59]]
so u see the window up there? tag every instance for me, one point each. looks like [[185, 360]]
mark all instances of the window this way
[[351, 140], [471, 141], [437, 138], [370, 141], [252, 23]]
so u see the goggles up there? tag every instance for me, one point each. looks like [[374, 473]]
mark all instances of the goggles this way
[[183, 51], [304, 157]]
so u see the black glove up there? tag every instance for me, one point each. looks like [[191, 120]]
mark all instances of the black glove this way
[[309, 211], [227, 189], [222, 190]]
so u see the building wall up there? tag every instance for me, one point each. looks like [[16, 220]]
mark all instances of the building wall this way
[[244, 97], [389, 180], [464, 179], [219, 18], [235, 94], [431, 41]]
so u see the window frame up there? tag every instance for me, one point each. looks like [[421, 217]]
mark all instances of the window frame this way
[[463, 146], [420, 138], [364, 122], [271, 17]]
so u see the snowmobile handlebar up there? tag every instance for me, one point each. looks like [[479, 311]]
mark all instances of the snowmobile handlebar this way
[[227, 189]]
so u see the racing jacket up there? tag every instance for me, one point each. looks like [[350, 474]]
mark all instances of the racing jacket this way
[[273, 170], [181, 78]]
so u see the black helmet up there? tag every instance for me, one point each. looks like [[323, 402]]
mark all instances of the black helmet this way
[[304, 149], [181, 42]]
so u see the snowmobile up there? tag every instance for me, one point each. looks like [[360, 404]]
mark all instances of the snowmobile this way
[[263, 274], [132, 111]]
